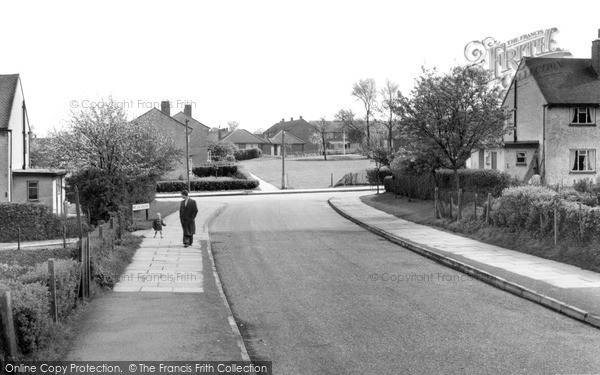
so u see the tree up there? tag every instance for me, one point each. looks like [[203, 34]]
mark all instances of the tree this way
[[220, 150], [320, 134], [365, 90], [233, 125], [452, 114], [389, 94], [354, 128], [118, 161]]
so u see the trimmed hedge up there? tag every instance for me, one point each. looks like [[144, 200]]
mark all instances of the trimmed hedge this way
[[36, 220], [375, 178], [206, 185], [215, 170], [482, 181], [248, 153]]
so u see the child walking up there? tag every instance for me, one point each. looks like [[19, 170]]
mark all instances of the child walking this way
[[157, 225]]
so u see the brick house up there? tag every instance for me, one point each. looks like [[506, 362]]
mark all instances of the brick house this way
[[175, 127], [301, 129], [243, 139], [18, 181], [553, 131]]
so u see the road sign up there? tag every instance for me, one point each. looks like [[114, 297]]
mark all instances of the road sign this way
[[141, 206]]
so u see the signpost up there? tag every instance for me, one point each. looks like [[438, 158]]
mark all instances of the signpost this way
[[140, 207]]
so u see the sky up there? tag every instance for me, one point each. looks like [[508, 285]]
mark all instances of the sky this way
[[254, 62]]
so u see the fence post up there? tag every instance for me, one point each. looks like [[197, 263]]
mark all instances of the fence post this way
[[111, 226], [451, 207], [9, 338], [120, 226], [488, 208], [79, 229], [460, 204], [53, 303], [555, 223], [436, 196], [64, 233], [18, 238], [580, 222], [475, 207], [100, 231], [88, 267]]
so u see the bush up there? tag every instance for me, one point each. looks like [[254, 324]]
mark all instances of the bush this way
[[246, 154], [67, 280], [376, 177], [221, 149], [30, 306], [215, 170], [519, 207]]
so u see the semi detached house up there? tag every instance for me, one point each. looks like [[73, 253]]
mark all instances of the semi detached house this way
[[553, 129]]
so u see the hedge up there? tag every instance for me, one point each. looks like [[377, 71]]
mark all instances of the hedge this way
[[215, 170], [532, 208], [206, 185], [67, 273], [376, 177], [248, 153], [36, 220], [482, 181]]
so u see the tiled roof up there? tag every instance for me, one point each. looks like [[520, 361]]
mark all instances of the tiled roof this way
[[181, 117], [565, 80], [330, 126], [244, 136], [290, 139], [288, 126], [8, 86]]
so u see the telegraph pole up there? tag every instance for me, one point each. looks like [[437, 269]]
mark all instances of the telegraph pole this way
[[283, 160], [187, 154]]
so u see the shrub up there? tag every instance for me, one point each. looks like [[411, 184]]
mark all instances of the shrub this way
[[520, 207], [30, 308], [376, 177], [221, 149], [246, 154], [67, 279], [215, 170]]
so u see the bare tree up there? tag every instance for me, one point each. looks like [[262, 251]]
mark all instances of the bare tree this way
[[365, 90], [320, 134], [389, 94], [353, 127]]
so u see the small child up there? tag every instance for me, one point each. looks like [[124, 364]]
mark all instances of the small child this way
[[157, 225]]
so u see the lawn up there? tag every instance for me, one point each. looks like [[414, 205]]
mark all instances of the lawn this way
[[418, 211], [306, 173]]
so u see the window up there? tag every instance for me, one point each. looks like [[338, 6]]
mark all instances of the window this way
[[521, 158], [32, 190], [582, 160], [583, 115]]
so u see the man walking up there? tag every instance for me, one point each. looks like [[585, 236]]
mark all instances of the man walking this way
[[187, 215]]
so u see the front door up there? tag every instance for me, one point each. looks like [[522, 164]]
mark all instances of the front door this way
[[494, 160]]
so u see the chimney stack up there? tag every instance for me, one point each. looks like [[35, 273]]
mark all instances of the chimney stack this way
[[165, 107], [596, 54], [291, 119], [300, 117], [282, 120], [187, 110]]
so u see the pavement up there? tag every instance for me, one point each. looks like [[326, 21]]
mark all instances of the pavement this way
[[32, 245], [561, 287], [168, 305]]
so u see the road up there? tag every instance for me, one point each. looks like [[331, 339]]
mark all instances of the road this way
[[317, 294]]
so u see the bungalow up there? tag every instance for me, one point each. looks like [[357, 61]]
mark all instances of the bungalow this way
[[243, 139], [175, 127], [294, 145], [18, 182], [553, 131], [301, 129]]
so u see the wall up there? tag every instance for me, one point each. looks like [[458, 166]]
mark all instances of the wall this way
[[46, 192], [560, 138], [5, 171]]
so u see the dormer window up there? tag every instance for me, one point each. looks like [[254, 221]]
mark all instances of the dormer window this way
[[583, 115]]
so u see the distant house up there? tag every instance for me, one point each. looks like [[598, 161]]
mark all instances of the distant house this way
[[243, 139], [336, 137], [301, 129], [294, 145], [175, 127], [554, 128], [18, 182]]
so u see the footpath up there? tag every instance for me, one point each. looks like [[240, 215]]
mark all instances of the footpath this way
[[168, 304], [564, 288]]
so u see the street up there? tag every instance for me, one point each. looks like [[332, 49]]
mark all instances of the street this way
[[317, 294]]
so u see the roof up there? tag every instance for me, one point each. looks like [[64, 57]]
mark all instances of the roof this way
[[181, 117], [290, 139], [564, 80], [8, 87], [330, 126], [243, 136], [162, 114], [522, 144], [288, 125]]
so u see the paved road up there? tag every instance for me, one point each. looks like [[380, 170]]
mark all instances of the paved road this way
[[317, 294]]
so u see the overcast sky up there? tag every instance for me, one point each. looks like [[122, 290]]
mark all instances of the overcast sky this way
[[254, 62]]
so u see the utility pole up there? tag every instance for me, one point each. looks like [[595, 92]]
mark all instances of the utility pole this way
[[187, 154], [283, 160]]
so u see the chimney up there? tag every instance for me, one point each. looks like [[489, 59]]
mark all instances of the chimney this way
[[291, 119], [282, 120], [165, 107], [596, 54], [300, 117], [187, 110]]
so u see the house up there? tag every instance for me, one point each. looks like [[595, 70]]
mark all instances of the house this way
[[294, 145], [301, 129], [18, 182], [175, 127], [243, 139], [336, 137], [553, 130]]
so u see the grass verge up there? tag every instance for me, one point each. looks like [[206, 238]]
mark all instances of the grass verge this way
[[584, 255]]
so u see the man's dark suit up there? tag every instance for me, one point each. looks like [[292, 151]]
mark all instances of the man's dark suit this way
[[187, 216]]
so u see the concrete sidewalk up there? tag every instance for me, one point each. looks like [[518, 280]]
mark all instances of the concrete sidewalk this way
[[564, 288], [168, 305], [36, 244]]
